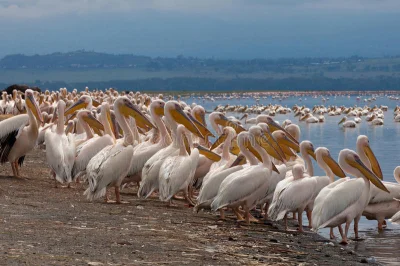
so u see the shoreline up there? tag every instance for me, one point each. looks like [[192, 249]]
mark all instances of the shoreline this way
[[44, 225]]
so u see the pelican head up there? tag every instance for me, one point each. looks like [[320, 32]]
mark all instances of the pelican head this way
[[31, 103], [272, 147], [396, 174], [227, 133], [175, 112], [324, 158], [200, 114], [207, 153], [364, 148], [308, 148], [284, 141], [157, 106], [351, 163], [342, 120], [84, 101], [127, 108], [88, 117], [220, 119], [298, 171], [275, 126]]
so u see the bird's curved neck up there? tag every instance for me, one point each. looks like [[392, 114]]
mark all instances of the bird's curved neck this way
[[60, 120], [33, 125], [308, 162], [106, 124], [164, 136], [180, 142], [264, 156], [327, 171], [122, 121], [363, 156], [249, 156], [225, 149]]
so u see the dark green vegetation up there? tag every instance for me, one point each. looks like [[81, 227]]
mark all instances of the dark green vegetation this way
[[81, 68]]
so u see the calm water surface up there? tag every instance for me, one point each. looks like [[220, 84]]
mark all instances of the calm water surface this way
[[384, 141]]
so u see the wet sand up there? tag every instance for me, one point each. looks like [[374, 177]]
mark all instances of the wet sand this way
[[43, 225]]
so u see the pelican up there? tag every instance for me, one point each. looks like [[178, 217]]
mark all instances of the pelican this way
[[18, 134], [151, 170], [344, 201], [60, 148], [246, 187], [347, 123], [87, 150], [111, 165], [176, 172]]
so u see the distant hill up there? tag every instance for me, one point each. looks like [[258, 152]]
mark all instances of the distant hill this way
[[75, 69]]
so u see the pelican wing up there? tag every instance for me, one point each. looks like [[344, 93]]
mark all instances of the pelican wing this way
[[377, 195], [293, 196], [238, 186], [335, 198], [107, 167], [86, 151], [9, 132], [140, 157]]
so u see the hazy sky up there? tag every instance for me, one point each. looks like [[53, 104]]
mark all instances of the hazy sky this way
[[204, 28]]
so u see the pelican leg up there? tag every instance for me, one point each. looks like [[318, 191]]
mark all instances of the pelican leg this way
[[188, 199], [247, 213], [221, 214], [346, 230], [340, 230], [266, 207], [106, 197], [13, 169], [331, 234], [55, 180], [356, 220], [309, 217], [238, 214], [286, 227], [300, 213], [118, 196], [384, 224], [16, 168], [294, 216]]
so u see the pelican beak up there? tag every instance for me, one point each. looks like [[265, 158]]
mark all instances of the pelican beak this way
[[311, 152], [243, 117], [276, 150], [109, 119], [274, 168], [186, 142], [95, 103], [275, 126], [376, 168], [334, 166], [234, 149], [289, 143], [181, 117], [253, 151], [223, 121], [241, 159], [266, 144], [159, 110], [32, 105], [93, 122], [80, 104], [69, 128], [219, 141], [201, 118], [342, 120], [129, 109], [207, 153], [297, 114], [358, 164], [203, 130], [70, 118]]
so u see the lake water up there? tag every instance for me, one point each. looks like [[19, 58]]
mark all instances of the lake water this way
[[384, 141]]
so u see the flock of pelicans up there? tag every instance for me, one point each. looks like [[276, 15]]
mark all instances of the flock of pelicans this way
[[111, 139]]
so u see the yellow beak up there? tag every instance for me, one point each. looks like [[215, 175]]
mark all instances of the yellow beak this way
[[207, 153], [219, 141], [93, 122], [376, 168], [241, 159], [131, 110], [334, 166], [358, 164], [32, 105], [342, 120], [180, 117], [203, 130], [80, 104], [223, 121], [274, 126]]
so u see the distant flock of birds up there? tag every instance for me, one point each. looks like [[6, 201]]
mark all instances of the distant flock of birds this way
[[110, 139]]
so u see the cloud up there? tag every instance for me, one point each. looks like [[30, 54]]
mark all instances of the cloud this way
[[31, 9]]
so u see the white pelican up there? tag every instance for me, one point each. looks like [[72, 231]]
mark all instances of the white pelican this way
[[173, 113], [347, 123], [176, 172], [60, 148], [309, 118], [87, 150], [110, 165], [246, 187], [18, 134], [344, 201]]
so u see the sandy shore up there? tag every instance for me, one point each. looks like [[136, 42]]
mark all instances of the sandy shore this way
[[43, 225]]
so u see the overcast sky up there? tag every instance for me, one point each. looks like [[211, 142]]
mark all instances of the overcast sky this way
[[203, 28]]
